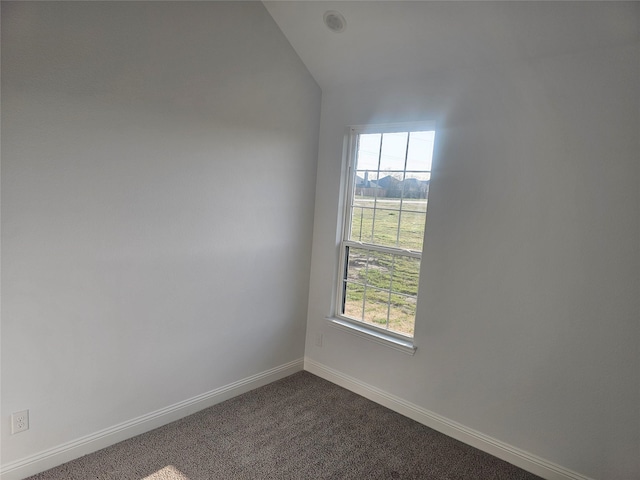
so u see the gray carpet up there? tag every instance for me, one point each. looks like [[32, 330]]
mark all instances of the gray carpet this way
[[301, 427]]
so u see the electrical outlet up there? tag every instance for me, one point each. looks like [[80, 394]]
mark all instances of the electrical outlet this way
[[20, 422], [318, 340]]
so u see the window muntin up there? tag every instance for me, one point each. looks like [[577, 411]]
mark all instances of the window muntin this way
[[385, 217]]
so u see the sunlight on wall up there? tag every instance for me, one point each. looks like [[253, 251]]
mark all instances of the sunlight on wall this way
[[167, 473]]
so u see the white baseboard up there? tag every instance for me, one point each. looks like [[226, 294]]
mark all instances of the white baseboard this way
[[513, 455], [90, 443]]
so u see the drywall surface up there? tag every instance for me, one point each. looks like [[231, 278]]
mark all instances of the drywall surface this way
[[527, 326], [158, 175]]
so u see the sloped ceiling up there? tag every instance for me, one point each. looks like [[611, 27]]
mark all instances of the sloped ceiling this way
[[387, 39]]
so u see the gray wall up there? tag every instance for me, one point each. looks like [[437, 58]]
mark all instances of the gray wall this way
[[527, 327], [158, 176]]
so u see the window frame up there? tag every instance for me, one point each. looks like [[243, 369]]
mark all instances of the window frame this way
[[378, 334]]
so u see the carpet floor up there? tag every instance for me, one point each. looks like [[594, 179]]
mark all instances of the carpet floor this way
[[300, 427]]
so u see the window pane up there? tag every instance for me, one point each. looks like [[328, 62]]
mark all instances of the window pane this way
[[420, 151], [390, 184], [376, 307], [380, 270], [364, 202], [385, 229], [406, 273], [353, 297], [366, 187], [411, 230], [402, 314], [416, 185], [368, 151], [361, 224], [357, 265], [394, 151], [388, 204]]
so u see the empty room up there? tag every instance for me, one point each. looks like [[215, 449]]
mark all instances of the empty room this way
[[318, 239]]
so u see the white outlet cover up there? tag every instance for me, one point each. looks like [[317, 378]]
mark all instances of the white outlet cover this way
[[19, 421]]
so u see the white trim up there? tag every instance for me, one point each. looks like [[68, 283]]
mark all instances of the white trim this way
[[423, 126], [349, 177], [497, 448], [354, 328], [90, 443]]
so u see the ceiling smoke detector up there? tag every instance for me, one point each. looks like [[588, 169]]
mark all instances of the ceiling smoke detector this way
[[335, 21]]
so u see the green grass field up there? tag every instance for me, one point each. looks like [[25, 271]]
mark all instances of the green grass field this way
[[382, 288]]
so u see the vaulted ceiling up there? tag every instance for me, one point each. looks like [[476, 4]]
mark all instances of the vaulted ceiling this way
[[388, 39]]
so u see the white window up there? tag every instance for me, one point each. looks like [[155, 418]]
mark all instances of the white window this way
[[385, 213]]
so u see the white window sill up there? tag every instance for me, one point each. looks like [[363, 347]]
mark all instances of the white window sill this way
[[404, 346]]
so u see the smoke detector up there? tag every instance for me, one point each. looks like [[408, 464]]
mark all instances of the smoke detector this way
[[335, 21]]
